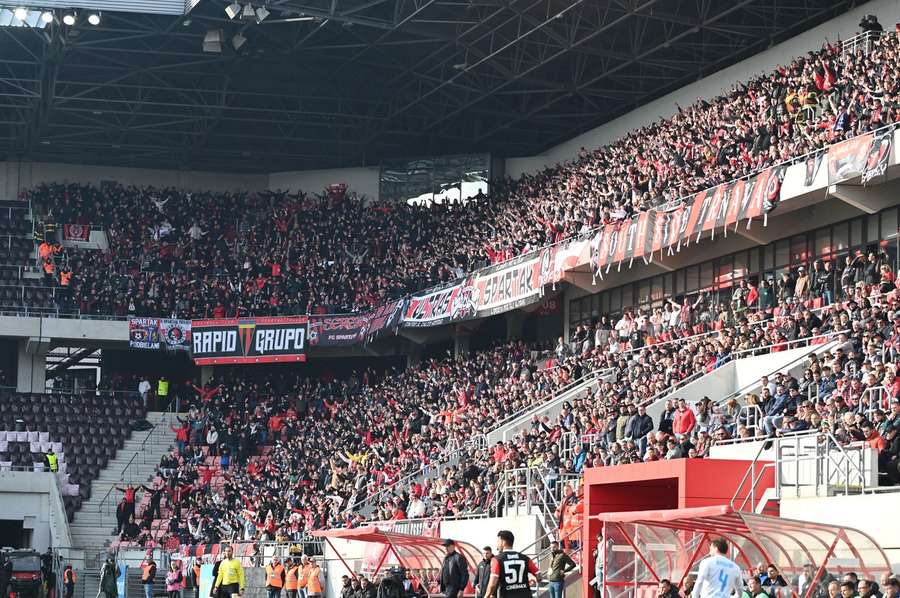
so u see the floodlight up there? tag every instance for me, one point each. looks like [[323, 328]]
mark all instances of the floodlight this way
[[261, 14], [69, 18], [248, 14], [47, 17], [233, 9], [21, 13], [94, 18], [212, 41], [238, 40]]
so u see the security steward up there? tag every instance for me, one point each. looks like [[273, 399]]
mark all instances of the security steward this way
[[230, 580], [275, 578], [148, 576], [69, 579], [52, 461], [292, 577]]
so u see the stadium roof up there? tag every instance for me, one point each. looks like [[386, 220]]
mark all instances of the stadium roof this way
[[329, 83]]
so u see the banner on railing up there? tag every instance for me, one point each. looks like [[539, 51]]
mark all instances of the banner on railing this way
[[249, 340], [153, 333], [143, 333], [488, 292], [175, 333], [338, 331], [384, 318], [76, 232], [879, 155], [718, 209], [848, 160]]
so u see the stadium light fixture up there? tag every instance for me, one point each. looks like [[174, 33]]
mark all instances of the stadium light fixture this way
[[261, 13], [248, 14], [94, 18], [233, 9], [69, 17], [21, 13], [46, 17], [212, 41], [238, 40]]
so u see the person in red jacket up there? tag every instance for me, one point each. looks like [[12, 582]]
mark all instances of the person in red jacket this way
[[685, 420], [181, 435]]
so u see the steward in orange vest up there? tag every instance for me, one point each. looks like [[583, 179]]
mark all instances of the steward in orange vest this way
[[275, 578], [292, 578]]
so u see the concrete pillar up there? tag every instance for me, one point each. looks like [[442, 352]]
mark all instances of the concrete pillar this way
[[461, 342], [515, 324], [31, 373]]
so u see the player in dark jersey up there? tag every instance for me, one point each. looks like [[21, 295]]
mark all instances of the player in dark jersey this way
[[510, 570]]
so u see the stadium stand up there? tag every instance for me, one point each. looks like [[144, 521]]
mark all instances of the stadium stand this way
[[264, 460], [176, 252], [83, 431]]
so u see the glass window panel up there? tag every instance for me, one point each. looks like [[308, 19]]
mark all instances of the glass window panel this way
[[615, 300], [889, 223], [799, 254], [782, 253], [740, 264], [706, 275], [856, 232], [754, 266], [693, 280], [872, 229], [841, 239], [644, 292], [656, 289], [823, 242], [679, 283]]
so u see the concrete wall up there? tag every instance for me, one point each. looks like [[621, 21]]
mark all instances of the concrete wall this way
[[363, 180], [15, 176], [34, 498], [887, 11], [869, 513]]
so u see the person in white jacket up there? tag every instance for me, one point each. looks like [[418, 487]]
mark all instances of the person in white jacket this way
[[719, 576]]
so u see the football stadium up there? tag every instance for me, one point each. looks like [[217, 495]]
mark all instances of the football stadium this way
[[449, 298]]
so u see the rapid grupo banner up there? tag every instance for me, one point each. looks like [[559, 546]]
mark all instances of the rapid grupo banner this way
[[713, 211], [249, 340]]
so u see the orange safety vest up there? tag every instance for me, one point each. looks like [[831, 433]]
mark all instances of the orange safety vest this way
[[274, 576], [64, 278], [196, 574], [314, 585], [304, 575], [69, 576], [145, 575], [291, 580], [49, 267]]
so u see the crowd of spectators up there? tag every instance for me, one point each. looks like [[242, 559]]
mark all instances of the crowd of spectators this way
[[190, 254], [275, 459]]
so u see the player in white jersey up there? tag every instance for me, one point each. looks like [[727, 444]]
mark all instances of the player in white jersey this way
[[719, 576]]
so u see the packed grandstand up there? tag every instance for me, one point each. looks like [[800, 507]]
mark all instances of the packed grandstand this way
[[267, 454]]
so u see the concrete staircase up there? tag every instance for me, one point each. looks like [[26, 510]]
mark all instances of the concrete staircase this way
[[134, 464]]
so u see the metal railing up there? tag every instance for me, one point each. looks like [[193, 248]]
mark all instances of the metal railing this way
[[864, 41], [141, 456], [820, 461]]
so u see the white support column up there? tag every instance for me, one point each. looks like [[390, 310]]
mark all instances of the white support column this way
[[32, 364]]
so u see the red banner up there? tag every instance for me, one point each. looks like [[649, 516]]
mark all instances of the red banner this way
[[76, 232]]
